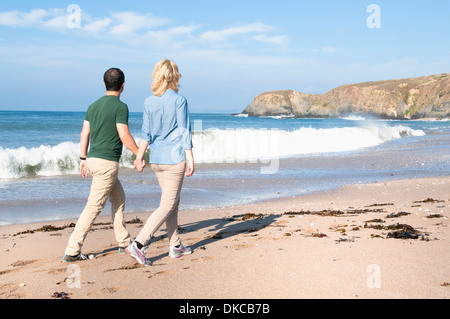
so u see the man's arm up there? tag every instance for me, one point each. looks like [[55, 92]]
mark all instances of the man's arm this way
[[84, 145], [126, 138]]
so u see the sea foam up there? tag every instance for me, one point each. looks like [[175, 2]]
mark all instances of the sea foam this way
[[215, 146], [240, 145]]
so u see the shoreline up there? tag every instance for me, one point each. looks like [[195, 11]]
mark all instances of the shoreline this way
[[273, 200], [320, 245], [298, 188]]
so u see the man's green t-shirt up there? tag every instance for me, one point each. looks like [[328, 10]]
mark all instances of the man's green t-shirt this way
[[103, 115]]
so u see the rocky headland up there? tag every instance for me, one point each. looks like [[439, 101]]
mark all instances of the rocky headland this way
[[411, 98]]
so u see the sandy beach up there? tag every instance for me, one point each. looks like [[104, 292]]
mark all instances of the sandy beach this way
[[379, 240]]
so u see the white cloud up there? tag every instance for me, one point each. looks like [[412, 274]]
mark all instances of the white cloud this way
[[98, 25], [222, 35], [181, 30], [146, 35], [130, 22], [328, 50], [53, 18], [143, 28], [279, 39], [161, 37], [59, 21], [22, 19]]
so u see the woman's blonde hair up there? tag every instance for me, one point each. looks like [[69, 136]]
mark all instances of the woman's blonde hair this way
[[165, 76]]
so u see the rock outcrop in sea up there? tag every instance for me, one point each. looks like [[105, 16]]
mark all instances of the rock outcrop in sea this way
[[412, 98]]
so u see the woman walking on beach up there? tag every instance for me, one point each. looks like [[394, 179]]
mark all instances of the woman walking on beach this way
[[167, 131]]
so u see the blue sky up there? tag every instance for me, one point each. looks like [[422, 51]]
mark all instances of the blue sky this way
[[227, 51]]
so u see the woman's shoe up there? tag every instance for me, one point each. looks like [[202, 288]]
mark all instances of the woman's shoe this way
[[138, 254], [176, 252]]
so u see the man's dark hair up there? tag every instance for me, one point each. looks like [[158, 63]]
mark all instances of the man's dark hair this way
[[114, 78]]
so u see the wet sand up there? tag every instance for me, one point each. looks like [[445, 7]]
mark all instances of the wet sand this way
[[379, 240]]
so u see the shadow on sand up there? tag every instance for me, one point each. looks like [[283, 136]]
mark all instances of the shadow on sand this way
[[221, 228]]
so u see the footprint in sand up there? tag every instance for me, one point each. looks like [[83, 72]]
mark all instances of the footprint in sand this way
[[106, 291], [164, 272], [12, 291], [134, 265], [55, 271], [21, 263], [205, 258], [2, 272], [17, 266], [241, 246]]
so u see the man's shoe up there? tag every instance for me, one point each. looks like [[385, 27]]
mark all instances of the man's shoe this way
[[79, 257]]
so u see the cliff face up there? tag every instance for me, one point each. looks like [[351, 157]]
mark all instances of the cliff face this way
[[412, 98]]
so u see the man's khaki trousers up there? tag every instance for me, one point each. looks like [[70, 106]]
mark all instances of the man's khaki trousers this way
[[105, 184]]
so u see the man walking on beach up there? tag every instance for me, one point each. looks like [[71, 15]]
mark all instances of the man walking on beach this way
[[106, 128]]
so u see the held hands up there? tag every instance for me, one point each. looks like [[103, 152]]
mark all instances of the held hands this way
[[139, 165], [139, 162]]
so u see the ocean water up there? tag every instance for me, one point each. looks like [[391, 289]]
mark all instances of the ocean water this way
[[239, 160]]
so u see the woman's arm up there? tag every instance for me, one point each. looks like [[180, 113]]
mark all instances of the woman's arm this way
[[184, 123], [139, 163], [190, 162], [184, 128]]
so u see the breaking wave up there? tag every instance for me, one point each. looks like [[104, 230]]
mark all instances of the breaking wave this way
[[214, 146]]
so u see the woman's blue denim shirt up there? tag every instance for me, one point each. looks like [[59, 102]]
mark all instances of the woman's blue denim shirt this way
[[167, 127]]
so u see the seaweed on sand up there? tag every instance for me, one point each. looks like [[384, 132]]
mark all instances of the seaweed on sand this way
[[325, 212], [376, 220], [319, 235], [52, 228], [395, 215], [61, 295], [335, 212], [402, 231], [384, 204], [248, 216], [435, 216], [45, 228], [429, 200]]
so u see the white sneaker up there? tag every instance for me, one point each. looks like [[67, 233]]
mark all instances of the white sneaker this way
[[138, 254], [178, 252]]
